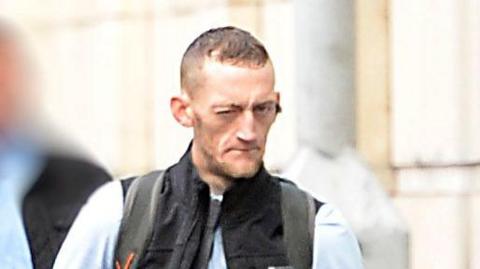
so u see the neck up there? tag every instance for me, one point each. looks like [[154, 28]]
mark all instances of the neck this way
[[218, 184]]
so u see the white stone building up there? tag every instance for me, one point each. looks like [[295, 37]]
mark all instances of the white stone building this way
[[411, 111]]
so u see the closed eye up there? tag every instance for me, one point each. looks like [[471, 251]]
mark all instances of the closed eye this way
[[227, 110], [224, 112]]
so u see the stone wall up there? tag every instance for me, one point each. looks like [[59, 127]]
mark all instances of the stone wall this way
[[435, 102]]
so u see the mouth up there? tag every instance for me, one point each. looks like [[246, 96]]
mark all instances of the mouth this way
[[250, 149]]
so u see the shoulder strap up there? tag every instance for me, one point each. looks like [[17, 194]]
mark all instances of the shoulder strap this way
[[138, 219], [298, 211]]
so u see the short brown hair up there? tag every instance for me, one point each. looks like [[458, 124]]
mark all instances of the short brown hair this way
[[228, 45]]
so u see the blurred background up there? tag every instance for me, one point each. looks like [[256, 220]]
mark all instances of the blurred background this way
[[381, 103]]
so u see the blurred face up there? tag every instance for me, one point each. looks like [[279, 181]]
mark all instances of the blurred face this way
[[10, 83], [232, 112]]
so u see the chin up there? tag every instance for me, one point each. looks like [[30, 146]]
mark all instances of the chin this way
[[246, 171]]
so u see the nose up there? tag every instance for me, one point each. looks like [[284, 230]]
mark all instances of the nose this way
[[246, 130]]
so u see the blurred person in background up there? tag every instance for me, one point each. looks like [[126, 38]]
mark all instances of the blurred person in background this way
[[217, 207], [41, 189]]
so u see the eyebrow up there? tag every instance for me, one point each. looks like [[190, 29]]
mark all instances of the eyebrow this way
[[265, 103], [230, 105], [237, 105]]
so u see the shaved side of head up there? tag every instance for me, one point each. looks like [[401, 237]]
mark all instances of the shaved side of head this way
[[227, 45]]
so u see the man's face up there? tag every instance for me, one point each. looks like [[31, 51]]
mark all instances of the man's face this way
[[233, 110]]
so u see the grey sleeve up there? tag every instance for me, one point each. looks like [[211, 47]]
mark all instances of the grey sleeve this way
[[335, 245]]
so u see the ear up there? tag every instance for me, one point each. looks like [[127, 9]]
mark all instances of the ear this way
[[181, 110], [277, 97]]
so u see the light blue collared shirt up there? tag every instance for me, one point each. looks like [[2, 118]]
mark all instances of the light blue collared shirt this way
[[92, 238], [19, 164]]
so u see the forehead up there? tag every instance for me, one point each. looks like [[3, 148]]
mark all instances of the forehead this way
[[9, 55], [226, 82], [9, 62]]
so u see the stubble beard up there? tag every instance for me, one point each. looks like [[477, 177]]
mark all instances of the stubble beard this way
[[226, 170], [221, 169]]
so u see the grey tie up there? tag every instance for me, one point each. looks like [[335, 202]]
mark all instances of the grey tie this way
[[209, 233]]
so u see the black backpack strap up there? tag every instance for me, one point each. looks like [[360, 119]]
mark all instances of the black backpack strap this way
[[298, 211], [126, 182], [136, 229]]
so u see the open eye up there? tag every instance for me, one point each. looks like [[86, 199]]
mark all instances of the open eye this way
[[264, 109]]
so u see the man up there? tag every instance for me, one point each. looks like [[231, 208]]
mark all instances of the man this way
[[228, 98], [41, 191]]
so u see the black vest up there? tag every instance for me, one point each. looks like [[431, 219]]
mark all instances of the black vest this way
[[250, 221], [53, 202]]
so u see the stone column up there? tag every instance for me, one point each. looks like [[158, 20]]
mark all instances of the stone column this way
[[327, 163], [324, 73]]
